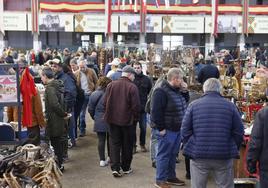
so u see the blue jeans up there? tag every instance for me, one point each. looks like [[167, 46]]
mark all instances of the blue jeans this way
[[83, 114], [142, 125], [153, 143], [168, 148]]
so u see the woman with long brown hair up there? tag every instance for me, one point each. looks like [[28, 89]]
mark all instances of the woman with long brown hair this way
[[96, 110]]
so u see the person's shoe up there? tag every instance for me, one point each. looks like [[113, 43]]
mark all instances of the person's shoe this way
[[108, 160], [162, 185], [82, 134], [143, 149], [154, 164], [129, 171], [175, 181], [188, 176], [103, 163], [177, 159], [117, 174], [61, 168]]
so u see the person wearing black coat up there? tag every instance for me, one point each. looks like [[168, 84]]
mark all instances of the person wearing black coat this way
[[258, 147], [208, 71], [144, 85]]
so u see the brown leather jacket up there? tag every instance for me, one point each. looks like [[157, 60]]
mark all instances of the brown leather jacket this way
[[122, 102], [91, 78], [37, 112]]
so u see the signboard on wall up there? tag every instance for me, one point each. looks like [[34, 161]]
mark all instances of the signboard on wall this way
[[89, 23], [258, 24], [183, 24], [14, 21], [131, 23], [226, 24], [53, 22]]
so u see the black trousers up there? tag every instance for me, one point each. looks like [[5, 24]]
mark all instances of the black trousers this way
[[56, 142], [263, 179], [102, 138], [121, 146], [33, 135]]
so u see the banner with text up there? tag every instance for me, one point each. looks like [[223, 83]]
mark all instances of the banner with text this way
[[53, 22], [226, 24], [257, 24], [15, 21], [183, 24], [132, 24]]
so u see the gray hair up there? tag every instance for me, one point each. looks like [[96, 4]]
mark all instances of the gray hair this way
[[174, 73], [212, 84]]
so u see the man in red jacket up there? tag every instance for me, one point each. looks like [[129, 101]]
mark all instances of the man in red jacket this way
[[122, 106]]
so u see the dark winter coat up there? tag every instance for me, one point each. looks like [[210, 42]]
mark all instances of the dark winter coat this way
[[258, 145], [122, 102], [144, 85], [168, 107], [96, 110], [212, 128], [54, 108], [69, 88], [208, 71]]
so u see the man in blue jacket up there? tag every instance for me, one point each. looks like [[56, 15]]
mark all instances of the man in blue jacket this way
[[69, 94], [212, 132], [167, 110]]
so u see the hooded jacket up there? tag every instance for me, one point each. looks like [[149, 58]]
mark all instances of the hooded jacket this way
[[54, 104]]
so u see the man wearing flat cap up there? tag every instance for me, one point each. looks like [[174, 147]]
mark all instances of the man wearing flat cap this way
[[122, 106], [69, 93]]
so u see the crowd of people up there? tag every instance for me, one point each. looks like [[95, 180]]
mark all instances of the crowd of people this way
[[208, 128]]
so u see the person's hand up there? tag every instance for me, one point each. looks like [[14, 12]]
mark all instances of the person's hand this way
[[183, 86], [68, 116], [163, 132]]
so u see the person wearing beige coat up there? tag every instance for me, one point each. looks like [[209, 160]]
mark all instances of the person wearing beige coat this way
[[87, 80]]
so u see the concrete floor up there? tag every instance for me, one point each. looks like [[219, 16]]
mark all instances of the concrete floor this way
[[83, 171]]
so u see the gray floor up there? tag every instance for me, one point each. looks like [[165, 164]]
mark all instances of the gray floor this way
[[83, 171]]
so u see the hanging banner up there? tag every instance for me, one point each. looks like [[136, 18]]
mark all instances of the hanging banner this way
[[89, 23], [114, 24], [226, 24], [257, 24], [183, 24], [132, 24], [14, 21], [94, 23], [53, 22]]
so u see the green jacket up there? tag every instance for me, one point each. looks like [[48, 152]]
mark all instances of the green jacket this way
[[54, 105]]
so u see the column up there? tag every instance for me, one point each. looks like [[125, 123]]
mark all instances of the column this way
[[142, 39], [36, 44], [2, 42], [109, 40], [210, 43], [241, 42]]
